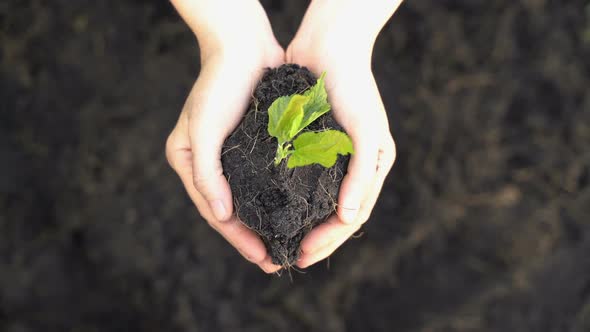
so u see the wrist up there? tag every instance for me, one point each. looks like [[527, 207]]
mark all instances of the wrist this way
[[322, 49], [349, 26], [242, 47], [222, 27]]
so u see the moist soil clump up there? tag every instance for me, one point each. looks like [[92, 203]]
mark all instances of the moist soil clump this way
[[280, 204]]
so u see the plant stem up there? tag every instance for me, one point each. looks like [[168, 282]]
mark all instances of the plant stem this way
[[283, 151]]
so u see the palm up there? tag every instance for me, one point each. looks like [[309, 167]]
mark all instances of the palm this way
[[357, 106], [213, 109], [233, 60]]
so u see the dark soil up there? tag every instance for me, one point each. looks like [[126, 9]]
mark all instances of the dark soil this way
[[280, 204], [483, 224]]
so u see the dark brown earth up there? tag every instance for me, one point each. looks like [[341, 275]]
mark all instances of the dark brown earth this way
[[280, 204], [483, 224]]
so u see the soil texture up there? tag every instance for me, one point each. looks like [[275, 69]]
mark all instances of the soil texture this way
[[280, 204], [482, 225]]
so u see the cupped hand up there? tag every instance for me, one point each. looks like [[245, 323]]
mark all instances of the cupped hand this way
[[232, 62], [356, 103]]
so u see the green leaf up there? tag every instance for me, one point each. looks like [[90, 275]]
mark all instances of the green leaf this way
[[275, 111], [321, 148], [289, 115], [284, 117], [318, 102]]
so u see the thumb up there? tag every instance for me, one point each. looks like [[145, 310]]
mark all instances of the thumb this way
[[348, 99], [211, 115], [207, 132], [208, 176], [356, 183]]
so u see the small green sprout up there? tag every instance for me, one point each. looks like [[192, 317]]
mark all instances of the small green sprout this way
[[289, 115]]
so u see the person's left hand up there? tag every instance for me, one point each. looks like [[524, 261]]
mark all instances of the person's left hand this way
[[357, 106]]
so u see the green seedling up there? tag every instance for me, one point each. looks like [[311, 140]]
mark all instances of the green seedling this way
[[289, 115]]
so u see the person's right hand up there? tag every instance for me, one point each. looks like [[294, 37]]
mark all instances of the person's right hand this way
[[235, 50]]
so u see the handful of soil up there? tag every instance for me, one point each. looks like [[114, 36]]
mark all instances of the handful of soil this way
[[278, 203]]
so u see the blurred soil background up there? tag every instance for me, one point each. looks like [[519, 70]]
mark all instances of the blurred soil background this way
[[483, 224]]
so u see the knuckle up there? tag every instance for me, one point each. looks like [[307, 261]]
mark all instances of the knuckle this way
[[389, 155], [202, 180], [201, 183], [362, 220], [246, 256], [212, 225], [170, 150], [393, 153], [197, 182], [390, 143], [364, 216], [388, 162]]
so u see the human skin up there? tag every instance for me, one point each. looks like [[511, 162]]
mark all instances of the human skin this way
[[236, 46], [337, 36]]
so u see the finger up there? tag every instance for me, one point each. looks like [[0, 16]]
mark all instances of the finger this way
[[386, 158], [359, 177], [324, 234], [267, 266], [308, 259], [208, 178], [326, 238], [244, 240], [237, 234], [212, 114], [333, 233], [362, 127], [180, 157], [177, 145]]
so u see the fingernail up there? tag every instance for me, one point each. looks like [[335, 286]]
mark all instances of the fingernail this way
[[348, 216], [218, 209]]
